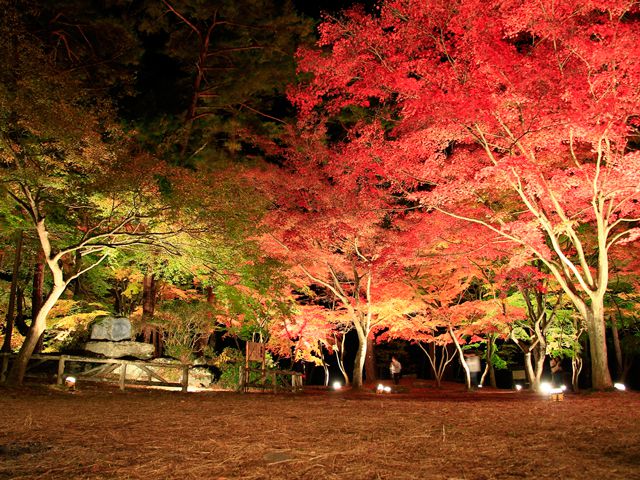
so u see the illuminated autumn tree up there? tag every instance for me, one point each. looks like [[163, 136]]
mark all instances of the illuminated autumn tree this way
[[458, 305], [339, 235], [515, 116]]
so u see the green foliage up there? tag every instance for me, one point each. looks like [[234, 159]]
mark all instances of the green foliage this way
[[68, 325], [256, 300], [229, 362], [563, 337]]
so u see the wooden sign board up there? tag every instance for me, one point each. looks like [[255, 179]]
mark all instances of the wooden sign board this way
[[255, 352]]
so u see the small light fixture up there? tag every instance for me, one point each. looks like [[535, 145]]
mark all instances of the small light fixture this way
[[619, 386], [387, 389], [337, 385], [518, 387], [70, 383], [380, 388], [545, 387]]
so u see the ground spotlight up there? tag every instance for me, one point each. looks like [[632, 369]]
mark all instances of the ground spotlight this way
[[70, 383], [619, 386]]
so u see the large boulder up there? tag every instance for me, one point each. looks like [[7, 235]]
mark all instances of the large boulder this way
[[140, 350], [113, 329]]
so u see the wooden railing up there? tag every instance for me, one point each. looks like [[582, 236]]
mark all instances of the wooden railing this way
[[104, 372], [268, 380]]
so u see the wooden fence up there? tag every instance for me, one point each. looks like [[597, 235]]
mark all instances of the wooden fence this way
[[266, 379], [102, 370]]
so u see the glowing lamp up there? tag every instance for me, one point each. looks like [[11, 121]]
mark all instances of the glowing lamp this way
[[518, 387], [380, 388], [70, 383], [387, 389], [337, 385], [548, 389], [619, 386]]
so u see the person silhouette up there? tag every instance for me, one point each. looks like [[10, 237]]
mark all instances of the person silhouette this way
[[395, 367]]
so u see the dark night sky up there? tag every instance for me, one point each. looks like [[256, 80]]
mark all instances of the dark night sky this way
[[314, 8]]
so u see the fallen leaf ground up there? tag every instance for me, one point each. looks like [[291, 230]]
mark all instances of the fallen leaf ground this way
[[102, 433]]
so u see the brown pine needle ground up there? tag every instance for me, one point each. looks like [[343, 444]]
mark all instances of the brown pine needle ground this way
[[102, 433]]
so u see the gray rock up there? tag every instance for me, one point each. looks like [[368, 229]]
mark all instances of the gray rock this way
[[111, 328], [121, 349], [199, 377]]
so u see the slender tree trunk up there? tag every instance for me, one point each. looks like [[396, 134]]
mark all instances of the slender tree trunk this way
[[467, 373], [370, 361], [438, 364], [8, 333], [491, 346], [339, 351], [433, 352], [576, 368], [615, 336], [326, 372]]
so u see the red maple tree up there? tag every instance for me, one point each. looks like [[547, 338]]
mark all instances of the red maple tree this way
[[520, 117], [342, 235]]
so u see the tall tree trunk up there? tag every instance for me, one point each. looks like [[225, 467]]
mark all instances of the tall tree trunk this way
[[528, 368], [37, 295], [19, 367], [149, 291], [615, 336], [8, 333], [370, 361], [339, 351], [491, 346], [539, 354], [358, 365], [600, 376], [325, 367]]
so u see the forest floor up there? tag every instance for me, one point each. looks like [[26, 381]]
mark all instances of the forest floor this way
[[426, 433]]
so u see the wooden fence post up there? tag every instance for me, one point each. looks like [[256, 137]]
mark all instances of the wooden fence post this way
[[185, 378], [60, 370], [241, 378], [123, 374]]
